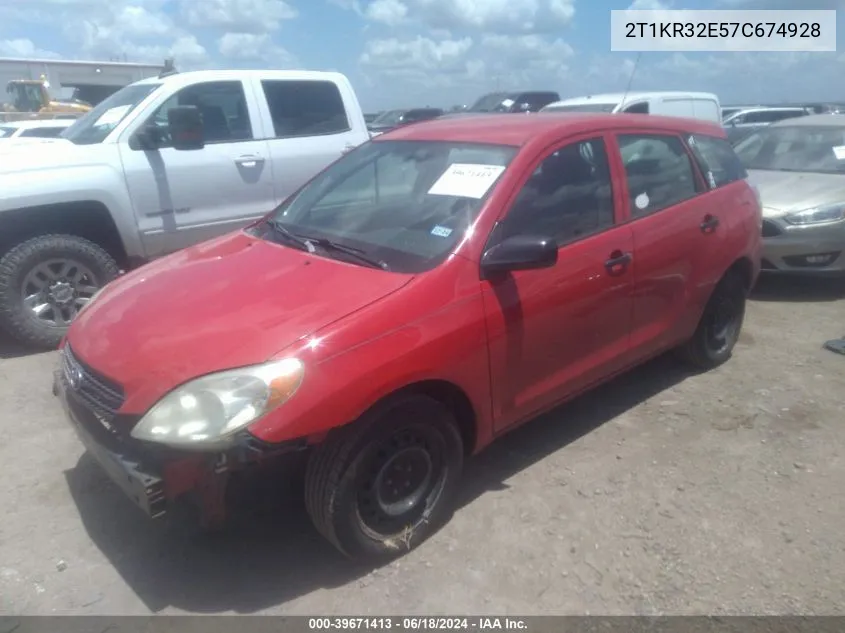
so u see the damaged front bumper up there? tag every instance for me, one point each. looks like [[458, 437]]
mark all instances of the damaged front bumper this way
[[155, 477]]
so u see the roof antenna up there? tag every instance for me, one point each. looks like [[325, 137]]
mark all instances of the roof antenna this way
[[631, 78]]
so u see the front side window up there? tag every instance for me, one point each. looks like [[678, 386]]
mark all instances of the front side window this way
[[568, 197], [305, 108], [717, 159], [405, 204], [222, 105], [658, 171], [799, 148]]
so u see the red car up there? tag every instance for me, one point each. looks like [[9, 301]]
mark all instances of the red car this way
[[425, 294]]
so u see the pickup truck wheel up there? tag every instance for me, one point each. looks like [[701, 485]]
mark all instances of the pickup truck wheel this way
[[719, 327], [381, 485], [45, 281]]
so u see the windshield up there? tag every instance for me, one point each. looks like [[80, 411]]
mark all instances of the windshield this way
[[96, 125], [391, 117], [795, 148], [491, 102], [6, 131], [586, 107], [405, 204]]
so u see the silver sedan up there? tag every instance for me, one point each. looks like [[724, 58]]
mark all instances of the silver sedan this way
[[798, 166]]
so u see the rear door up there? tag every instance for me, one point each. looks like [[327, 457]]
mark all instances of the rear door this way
[[309, 127], [555, 331], [675, 231]]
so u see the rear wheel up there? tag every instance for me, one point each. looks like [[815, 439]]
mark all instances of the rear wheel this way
[[382, 485], [45, 281], [720, 325]]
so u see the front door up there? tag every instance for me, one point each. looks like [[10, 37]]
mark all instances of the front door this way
[[552, 332], [184, 197]]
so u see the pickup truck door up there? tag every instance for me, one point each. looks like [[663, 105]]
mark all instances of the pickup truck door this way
[[183, 197], [311, 123]]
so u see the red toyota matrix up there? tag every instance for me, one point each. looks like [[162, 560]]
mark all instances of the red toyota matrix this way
[[428, 292]]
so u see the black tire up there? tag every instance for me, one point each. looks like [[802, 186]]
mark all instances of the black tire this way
[[720, 325], [17, 264], [343, 476]]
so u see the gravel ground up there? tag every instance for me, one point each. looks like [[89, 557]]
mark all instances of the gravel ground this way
[[662, 492]]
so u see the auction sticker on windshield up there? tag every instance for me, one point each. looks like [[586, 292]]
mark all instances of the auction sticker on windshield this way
[[465, 180], [113, 116], [839, 152]]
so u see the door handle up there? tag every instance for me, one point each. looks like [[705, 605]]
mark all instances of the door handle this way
[[709, 224], [248, 161], [618, 262]]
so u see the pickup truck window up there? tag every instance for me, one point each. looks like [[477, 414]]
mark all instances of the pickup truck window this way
[[224, 112], [95, 126], [381, 200], [305, 108]]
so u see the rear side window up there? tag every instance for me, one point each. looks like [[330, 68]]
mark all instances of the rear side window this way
[[717, 160], [658, 170], [305, 108], [638, 108]]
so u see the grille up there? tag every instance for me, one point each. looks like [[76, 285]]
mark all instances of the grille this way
[[103, 396], [770, 229]]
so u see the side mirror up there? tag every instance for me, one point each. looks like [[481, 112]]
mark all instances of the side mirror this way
[[186, 129], [520, 252]]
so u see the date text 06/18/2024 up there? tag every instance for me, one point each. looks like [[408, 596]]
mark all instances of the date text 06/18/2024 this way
[[723, 31], [417, 623]]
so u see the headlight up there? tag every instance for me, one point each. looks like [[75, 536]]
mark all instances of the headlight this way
[[204, 413], [817, 215]]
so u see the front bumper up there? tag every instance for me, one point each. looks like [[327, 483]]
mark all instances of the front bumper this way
[[154, 477], [817, 250]]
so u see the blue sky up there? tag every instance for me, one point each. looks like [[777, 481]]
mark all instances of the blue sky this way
[[401, 53]]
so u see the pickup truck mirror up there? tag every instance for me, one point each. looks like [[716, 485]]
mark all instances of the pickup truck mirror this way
[[520, 252], [186, 129]]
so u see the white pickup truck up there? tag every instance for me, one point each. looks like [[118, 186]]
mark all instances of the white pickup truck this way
[[162, 164]]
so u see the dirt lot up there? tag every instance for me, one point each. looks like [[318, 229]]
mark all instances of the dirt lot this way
[[660, 493]]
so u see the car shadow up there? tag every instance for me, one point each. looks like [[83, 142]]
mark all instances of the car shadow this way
[[797, 289], [9, 348], [271, 554]]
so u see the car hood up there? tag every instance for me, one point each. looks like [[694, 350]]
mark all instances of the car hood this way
[[230, 302], [30, 154], [786, 192]]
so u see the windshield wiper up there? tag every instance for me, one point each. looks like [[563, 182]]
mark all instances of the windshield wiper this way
[[280, 228], [357, 253]]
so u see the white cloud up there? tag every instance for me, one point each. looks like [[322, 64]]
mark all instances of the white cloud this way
[[253, 47], [417, 54], [242, 16], [24, 48], [390, 12], [502, 16], [648, 5]]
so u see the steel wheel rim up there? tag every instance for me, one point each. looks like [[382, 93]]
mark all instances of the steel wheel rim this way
[[387, 506], [55, 290]]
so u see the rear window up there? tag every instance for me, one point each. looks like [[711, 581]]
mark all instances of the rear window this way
[[717, 160]]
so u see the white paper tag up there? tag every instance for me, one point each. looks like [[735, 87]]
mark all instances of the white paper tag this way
[[641, 201], [508, 103], [839, 152], [711, 179], [465, 180], [112, 116], [441, 231]]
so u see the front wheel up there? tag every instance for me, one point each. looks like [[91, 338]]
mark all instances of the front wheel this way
[[382, 485], [720, 325], [45, 281]]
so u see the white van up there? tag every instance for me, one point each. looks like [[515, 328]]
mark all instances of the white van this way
[[693, 105]]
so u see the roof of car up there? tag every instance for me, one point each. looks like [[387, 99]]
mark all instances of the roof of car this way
[[814, 120], [517, 130], [617, 97]]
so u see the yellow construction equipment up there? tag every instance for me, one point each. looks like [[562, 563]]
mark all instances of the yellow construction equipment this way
[[30, 99]]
